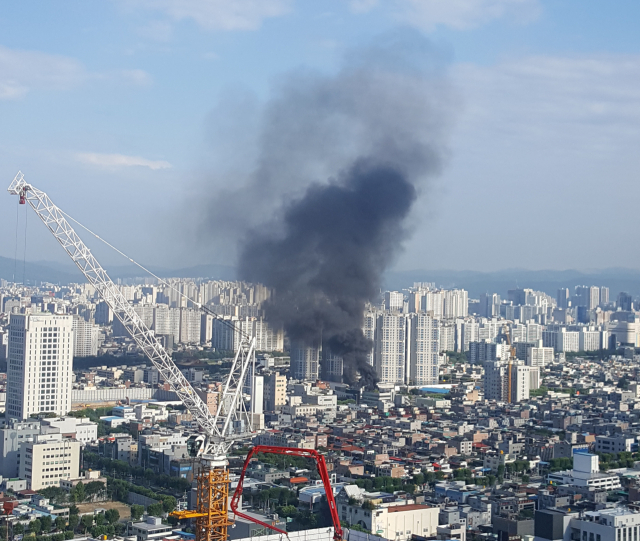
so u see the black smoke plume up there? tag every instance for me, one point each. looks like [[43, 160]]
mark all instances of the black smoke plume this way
[[338, 238], [337, 163]]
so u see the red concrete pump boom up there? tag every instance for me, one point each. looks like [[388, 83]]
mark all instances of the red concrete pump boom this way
[[322, 470]]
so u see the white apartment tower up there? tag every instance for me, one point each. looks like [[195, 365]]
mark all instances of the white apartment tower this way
[[39, 364], [305, 362], [393, 301], [423, 363], [390, 348], [85, 338]]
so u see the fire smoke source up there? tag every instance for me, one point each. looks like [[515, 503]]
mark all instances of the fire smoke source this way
[[340, 161]]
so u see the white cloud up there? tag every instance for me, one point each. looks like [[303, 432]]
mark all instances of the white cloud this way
[[120, 160], [221, 14], [457, 14], [589, 100], [24, 71]]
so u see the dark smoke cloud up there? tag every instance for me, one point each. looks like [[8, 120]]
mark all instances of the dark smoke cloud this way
[[339, 161], [337, 240]]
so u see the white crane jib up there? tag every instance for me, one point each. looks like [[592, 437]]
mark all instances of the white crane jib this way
[[218, 428]]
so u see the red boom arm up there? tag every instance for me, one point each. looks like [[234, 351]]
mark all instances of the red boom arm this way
[[322, 470]]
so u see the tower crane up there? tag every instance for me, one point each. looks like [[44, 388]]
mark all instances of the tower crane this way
[[219, 429]]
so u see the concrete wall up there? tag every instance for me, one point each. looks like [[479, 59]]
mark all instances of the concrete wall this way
[[115, 395], [139, 499]]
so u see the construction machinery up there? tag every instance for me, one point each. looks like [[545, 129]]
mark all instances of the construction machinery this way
[[231, 421], [290, 451]]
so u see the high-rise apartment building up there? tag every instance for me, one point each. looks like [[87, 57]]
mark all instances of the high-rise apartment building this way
[[455, 303], [390, 348], [423, 350], [604, 295], [594, 297], [563, 297], [39, 364], [539, 356], [394, 301], [305, 361], [85, 338], [369, 330]]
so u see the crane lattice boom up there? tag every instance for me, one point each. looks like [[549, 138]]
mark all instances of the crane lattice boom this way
[[231, 405]]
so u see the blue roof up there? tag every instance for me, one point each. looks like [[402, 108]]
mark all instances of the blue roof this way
[[435, 390]]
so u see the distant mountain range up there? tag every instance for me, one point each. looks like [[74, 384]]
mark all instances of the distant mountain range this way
[[549, 281], [61, 273]]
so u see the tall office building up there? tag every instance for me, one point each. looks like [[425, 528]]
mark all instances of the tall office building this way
[[604, 295], [39, 364]]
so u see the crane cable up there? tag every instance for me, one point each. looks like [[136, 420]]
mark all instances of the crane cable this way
[[199, 305], [15, 254], [24, 255]]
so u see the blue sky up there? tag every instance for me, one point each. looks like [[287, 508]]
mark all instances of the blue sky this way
[[114, 108]]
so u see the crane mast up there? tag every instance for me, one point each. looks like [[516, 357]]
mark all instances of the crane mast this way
[[218, 427]]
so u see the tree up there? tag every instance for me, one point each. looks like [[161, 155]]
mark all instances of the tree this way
[[288, 511], [74, 520], [155, 509], [368, 504], [47, 523], [98, 531], [112, 516], [18, 529], [87, 522], [35, 526], [94, 488], [79, 492], [73, 510], [68, 535], [169, 503], [136, 512], [501, 470], [61, 523], [100, 519]]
